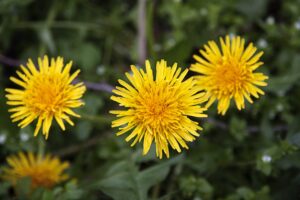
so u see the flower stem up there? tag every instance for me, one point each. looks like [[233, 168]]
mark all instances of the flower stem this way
[[41, 145]]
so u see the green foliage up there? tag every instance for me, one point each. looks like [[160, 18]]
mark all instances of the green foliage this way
[[194, 186], [69, 192], [249, 154], [248, 194], [124, 181]]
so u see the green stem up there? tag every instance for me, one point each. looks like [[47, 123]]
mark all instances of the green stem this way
[[41, 145], [97, 119]]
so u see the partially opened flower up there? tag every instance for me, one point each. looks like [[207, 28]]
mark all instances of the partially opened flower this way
[[46, 93], [157, 108], [44, 171], [229, 73]]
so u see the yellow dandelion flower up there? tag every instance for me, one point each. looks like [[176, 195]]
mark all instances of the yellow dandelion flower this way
[[229, 73], [44, 171], [47, 93], [158, 110]]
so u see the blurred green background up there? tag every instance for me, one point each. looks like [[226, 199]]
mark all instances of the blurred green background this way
[[248, 155]]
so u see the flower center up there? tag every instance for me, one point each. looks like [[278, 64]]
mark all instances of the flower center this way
[[43, 177], [157, 107], [229, 77], [46, 93]]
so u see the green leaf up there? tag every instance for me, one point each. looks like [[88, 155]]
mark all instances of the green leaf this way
[[47, 195], [238, 128], [282, 83], [245, 193], [153, 175], [72, 192], [23, 187], [124, 181], [47, 38], [252, 9], [192, 186], [287, 79]]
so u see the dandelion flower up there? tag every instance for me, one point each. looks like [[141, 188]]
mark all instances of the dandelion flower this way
[[229, 73], [46, 93], [44, 171], [158, 109]]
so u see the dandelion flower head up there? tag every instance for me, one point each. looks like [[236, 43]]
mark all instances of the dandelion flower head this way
[[46, 93], [229, 72], [44, 171], [157, 108]]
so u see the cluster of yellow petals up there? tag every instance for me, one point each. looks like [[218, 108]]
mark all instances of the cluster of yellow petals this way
[[229, 73], [46, 93], [158, 107], [44, 171]]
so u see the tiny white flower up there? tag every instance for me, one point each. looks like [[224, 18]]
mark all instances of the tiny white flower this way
[[266, 158], [279, 107], [270, 20], [262, 43], [232, 35], [171, 42], [100, 70], [2, 138], [24, 136], [297, 25]]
